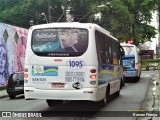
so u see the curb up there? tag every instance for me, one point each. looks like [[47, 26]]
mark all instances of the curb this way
[[156, 102]]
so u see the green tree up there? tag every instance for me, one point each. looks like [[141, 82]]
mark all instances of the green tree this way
[[142, 12], [125, 19], [21, 12]]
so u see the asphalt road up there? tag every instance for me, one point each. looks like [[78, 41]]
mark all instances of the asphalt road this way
[[130, 99]]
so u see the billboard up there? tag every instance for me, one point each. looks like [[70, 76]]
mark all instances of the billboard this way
[[147, 54]]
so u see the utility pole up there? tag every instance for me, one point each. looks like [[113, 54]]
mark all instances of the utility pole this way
[[131, 29], [49, 11], [159, 20]]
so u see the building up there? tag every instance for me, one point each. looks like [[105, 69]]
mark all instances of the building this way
[[155, 41]]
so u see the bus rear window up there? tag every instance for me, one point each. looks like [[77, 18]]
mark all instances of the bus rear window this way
[[129, 50], [59, 42]]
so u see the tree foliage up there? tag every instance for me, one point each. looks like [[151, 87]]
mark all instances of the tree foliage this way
[[125, 19]]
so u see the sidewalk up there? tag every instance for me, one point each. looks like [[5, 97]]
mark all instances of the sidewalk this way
[[156, 94], [3, 93], [151, 103]]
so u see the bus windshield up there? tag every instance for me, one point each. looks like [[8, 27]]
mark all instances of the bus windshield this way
[[59, 41]]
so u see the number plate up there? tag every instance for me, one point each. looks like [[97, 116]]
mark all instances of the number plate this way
[[57, 85], [18, 88]]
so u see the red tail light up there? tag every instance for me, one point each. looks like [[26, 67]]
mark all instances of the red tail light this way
[[93, 77], [25, 75], [93, 70], [25, 70]]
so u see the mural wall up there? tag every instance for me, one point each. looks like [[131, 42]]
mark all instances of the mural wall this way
[[12, 50]]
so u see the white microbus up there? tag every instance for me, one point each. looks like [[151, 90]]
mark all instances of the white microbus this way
[[131, 62], [72, 61]]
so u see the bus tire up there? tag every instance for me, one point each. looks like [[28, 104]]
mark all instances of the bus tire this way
[[122, 83], [12, 96], [118, 93], [53, 103], [137, 78], [107, 93], [105, 100]]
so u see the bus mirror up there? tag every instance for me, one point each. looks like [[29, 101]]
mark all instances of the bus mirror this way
[[123, 54]]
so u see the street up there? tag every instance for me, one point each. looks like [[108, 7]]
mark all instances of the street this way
[[131, 98]]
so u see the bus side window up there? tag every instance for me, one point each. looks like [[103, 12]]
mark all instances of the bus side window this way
[[110, 54], [107, 51], [122, 53], [114, 53], [100, 43], [102, 49]]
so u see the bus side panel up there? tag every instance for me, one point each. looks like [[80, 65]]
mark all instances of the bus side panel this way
[[110, 74]]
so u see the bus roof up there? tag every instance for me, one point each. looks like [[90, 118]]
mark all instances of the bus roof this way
[[131, 45], [74, 24], [126, 44]]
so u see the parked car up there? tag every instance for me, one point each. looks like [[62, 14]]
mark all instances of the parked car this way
[[15, 84]]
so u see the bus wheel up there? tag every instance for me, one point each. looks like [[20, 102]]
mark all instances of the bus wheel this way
[[105, 100], [12, 96], [122, 83], [117, 93], [53, 103], [137, 78]]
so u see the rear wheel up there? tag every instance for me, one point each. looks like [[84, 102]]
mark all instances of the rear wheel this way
[[122, 83], [117, 93], [105, 100], [53, 103], [11, 96], [137, 78]]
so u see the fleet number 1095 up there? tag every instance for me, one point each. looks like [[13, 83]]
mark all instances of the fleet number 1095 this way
[[75, 64]]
